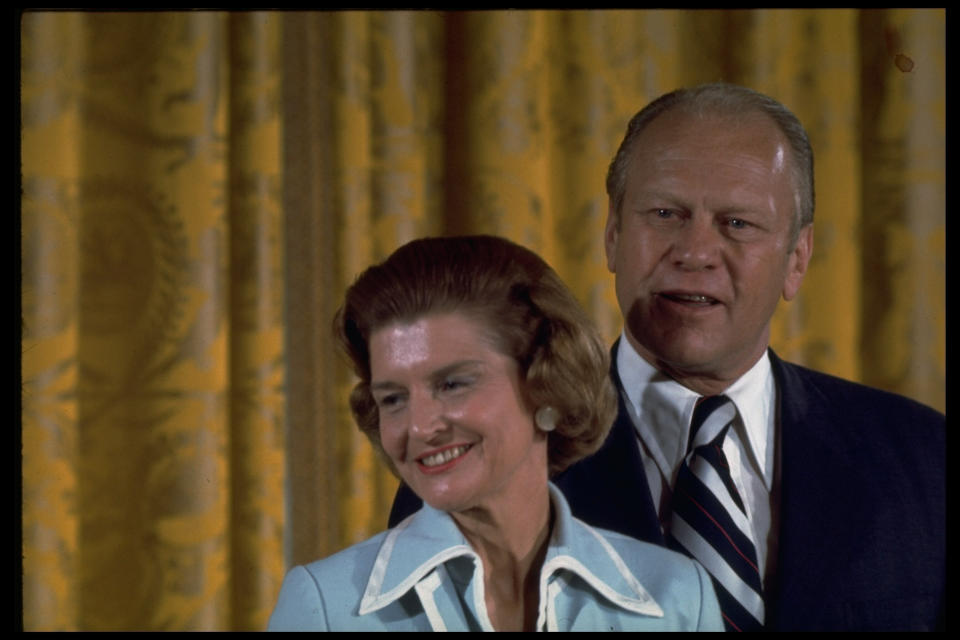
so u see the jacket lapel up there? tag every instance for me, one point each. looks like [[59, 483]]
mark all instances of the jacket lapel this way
[[820, 493], [609, 489]]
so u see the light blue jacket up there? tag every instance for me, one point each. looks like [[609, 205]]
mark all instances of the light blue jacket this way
[[423, 575]]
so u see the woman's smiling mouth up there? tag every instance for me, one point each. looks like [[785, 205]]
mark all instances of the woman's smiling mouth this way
[[435, 460]]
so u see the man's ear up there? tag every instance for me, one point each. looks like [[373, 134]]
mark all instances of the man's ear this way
[[611, 234], [797, 263]]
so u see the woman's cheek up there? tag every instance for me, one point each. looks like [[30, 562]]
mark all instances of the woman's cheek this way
[[390, 437]]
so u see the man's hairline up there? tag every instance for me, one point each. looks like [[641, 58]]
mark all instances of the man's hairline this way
[[696, 110]]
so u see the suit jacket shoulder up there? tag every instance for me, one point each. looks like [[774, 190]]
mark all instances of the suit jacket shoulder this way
[[806, 391], [862, 542]]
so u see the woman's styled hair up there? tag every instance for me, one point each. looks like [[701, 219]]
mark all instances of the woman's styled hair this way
[[519, 301]]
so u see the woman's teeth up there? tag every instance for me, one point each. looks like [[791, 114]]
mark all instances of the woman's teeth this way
[[444, 456]]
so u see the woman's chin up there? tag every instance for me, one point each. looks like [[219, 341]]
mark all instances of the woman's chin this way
[[446, 500], [450, 489]]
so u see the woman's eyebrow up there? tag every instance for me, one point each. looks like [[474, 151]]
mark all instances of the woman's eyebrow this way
[[454, 367], [437, 374]]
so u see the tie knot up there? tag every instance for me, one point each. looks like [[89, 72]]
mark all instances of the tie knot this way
[[710, 418]]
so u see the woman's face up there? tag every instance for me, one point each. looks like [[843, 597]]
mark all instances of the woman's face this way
[[452, 415]]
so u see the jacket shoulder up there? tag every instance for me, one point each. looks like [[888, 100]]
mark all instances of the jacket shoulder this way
[[650, 562], [858, 459], [806, 391], [317, 596], [869, 428], [679, 584], [353, 559], [872, 426]]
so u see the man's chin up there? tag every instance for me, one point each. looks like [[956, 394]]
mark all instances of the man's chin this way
[[680, 350]]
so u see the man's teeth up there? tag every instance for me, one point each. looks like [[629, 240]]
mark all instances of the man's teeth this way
[[691, 297], [444, 456]]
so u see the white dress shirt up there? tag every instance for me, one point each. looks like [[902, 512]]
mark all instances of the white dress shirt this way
[[661, 410]]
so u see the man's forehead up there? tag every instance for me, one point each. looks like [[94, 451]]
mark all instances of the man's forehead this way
[[691, 137], [682, 119]]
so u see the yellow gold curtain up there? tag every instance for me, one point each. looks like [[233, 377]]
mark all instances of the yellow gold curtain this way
[[199, 188]]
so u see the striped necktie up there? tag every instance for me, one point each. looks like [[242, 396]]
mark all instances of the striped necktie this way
[[709, 522]]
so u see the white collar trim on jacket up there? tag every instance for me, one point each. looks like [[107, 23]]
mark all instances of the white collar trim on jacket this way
[[374, 598], [403, 560]]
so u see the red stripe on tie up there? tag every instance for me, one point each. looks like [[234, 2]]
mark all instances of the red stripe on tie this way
[[725, 535], [725, 617], [723, 458]]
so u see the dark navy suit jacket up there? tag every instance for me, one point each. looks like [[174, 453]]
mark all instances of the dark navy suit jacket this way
[[862, 542]]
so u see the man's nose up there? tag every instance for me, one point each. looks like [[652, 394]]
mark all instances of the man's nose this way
[[696, 244]]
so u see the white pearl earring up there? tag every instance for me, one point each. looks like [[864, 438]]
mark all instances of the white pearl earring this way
[[546, 418]]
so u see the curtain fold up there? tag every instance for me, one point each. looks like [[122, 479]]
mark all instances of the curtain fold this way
[[171, 353], [256, 327], [903, 184], [809, 59], [200, 188], [50, 248], [154, 339]]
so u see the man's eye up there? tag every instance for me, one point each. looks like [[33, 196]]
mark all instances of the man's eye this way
[[740, 223], [664, 216]]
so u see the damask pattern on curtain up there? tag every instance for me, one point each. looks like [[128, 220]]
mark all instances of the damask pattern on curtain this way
[[153, 368], [199, 188]]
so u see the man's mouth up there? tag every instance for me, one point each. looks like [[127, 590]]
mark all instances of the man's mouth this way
[[442, 457], [689, 298]]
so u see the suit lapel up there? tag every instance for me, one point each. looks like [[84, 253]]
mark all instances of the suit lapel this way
[[820, 494], [609, 489]]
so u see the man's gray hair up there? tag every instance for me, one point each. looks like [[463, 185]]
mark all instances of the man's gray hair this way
[[724, 100]]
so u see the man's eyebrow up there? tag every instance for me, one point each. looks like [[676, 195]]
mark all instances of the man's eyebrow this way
[[658, 194], [670, 198]]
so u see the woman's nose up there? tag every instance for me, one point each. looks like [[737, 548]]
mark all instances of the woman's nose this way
[[426, 417]]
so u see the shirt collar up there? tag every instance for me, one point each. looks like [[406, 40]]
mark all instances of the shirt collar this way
[[661, 409], [754, 393], [415, 547]]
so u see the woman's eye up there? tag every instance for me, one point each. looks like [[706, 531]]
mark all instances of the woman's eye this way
[[453, 384], [389, 401]]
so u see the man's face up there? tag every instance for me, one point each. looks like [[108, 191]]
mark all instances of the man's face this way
[[701, 247]]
